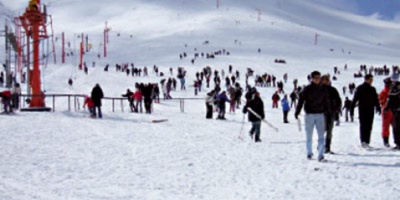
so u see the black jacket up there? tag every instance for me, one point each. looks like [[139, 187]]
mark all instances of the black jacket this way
[[394, 98], [335, 101], [97, 95], [315, 100], [257, 106], [367, 99]]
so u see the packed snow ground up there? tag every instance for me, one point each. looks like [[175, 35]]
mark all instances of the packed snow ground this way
[[67, 155]]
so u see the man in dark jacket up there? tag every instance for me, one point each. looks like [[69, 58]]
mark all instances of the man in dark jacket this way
[[316, 103], [128, 95], [393, 105], [255, 104], [335, 103], [367, 99], [97, 95]]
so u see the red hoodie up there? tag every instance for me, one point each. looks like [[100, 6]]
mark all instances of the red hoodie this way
[[88, 102], [137, 95]]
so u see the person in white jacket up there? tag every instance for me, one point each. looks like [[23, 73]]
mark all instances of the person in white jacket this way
[[209, 104]]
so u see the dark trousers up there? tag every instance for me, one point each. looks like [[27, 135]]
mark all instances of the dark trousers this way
[[256, 129], [147, 105], [285, 114], [209, 108], [366, 122], [396, 128], [329, 122], [99, 111]]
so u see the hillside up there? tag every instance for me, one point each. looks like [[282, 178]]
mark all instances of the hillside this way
[[67, 155]]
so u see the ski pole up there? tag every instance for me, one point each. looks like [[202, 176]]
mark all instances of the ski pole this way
[[264, 120]]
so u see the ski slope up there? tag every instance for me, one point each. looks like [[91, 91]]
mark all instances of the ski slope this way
[[67, 155]]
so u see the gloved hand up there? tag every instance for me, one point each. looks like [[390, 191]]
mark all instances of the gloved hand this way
[[378, 111], [296, 115]]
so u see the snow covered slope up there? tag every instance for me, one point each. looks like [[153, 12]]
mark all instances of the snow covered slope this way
[[66, 155]]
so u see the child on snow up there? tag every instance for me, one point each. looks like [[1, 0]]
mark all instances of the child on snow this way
[[285, 108], [90, 105]]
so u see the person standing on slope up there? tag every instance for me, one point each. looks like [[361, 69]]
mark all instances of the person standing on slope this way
[[335, 103], [256, 105], [368, 103], [393, 105], [209, 104], [387, 115], [316, 103], [222, 99], [285, 108], [97, 95]]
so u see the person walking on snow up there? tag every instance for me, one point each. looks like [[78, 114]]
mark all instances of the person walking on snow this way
[[209, 104], [335, 103], [285, 109], [222, 99], [275, 100], [393, 105], [315, 100], [347, 109], [97, 95], [256, 105], [387, 115], [367, 99]]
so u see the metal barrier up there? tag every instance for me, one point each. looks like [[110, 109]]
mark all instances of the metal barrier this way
[[77, 103]]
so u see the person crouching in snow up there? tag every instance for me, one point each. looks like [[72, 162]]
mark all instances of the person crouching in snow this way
[[6, 100], [90, 105], [222, 99], [285, 108], [257, 105]]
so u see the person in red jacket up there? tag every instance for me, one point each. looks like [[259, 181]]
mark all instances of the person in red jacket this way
[[90, 105], [138, 97], [275, 100], [6, 98], [387, 116]]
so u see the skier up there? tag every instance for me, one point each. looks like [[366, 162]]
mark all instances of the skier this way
[[393, 105], [89, 102], [285, 109], [209, 104], [387, 115], [257, 105], [335, 103], [367, 99], [97, 95], [315, 100]]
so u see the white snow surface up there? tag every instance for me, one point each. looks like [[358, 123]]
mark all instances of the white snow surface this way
[[67, 155]]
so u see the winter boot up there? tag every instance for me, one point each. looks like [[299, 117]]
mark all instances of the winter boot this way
[[386, 141]]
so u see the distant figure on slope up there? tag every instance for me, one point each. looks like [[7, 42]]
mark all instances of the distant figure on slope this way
[[285, 108], [90, 105], [367, 99], [316, 103], [97, 95], [209, 104], [256, 105], [347, 109], [15, 95], [222, 99], [275, 100], [387, 115], [70, 82], [128, 95]]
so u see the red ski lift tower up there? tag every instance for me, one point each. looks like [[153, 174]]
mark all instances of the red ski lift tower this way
[[33, 21]]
